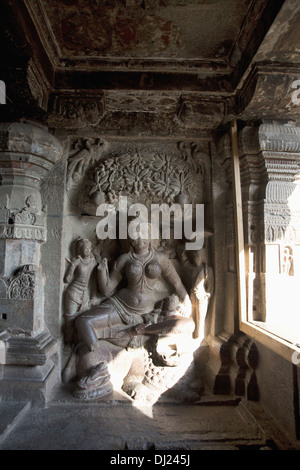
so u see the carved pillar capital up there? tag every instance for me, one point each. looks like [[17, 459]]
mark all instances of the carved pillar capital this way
[[270, 165], [27, 150], [271, 150], [27, 153]]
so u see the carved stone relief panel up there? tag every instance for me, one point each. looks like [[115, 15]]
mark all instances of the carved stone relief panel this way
[[24, 291], [76, 111], [96, 176], [139, 330]]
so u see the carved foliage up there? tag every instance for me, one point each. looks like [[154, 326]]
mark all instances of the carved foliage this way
[[160, 176], [22, 285], [148, 175], [141, 174]]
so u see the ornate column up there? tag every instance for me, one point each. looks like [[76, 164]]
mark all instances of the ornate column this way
[[269, 159], [27, 153], [269, 166]]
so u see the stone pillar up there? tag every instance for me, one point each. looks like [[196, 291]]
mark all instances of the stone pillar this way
[[269, 160], [27, 153], [269, 166], [219, 366]]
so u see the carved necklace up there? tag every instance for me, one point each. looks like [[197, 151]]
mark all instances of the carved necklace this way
[[142, 259], [86, 261]]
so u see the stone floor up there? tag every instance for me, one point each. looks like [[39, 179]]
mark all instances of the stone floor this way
[[114, 423]]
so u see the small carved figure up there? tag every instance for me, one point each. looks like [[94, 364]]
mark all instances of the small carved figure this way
[[22, 285], [28, 214], [201, 278], [78, 275], [287, 261], [82, 158]]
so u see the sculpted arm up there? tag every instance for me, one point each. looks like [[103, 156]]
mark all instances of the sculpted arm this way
[[107, 282], [70, 270], [170, 274]]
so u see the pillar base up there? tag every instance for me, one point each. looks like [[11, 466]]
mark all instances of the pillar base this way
[[32, 383], [28, 372], [232, 365], [28, 351]]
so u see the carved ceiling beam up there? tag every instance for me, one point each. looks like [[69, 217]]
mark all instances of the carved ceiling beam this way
[[270, 92]]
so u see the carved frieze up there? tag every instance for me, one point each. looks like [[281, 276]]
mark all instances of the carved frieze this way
[[22, 285], [27, 223], [281, 226], [76, 111], [142, 111], [141, 101]]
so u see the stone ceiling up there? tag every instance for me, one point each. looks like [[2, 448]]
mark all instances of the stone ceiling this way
[[158, 67], [168, 34]]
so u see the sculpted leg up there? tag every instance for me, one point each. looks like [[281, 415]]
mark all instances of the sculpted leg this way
[[171, 325], [96, 324]]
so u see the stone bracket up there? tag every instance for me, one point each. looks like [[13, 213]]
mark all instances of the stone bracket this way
[[233, 364]]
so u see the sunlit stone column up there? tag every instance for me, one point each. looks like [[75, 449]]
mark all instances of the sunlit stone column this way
[[269, 160], [269, 155], [27, 153]]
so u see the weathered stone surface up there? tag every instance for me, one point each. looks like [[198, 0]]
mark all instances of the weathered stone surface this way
[[139, 93], [27, 153]]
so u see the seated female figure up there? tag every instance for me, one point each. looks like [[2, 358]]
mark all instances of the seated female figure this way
[[129, 313]]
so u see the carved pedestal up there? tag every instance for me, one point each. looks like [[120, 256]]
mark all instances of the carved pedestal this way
[[27, 153]]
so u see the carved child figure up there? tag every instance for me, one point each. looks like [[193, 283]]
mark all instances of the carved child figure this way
[[201, 280], [78, 275], [170, 305]]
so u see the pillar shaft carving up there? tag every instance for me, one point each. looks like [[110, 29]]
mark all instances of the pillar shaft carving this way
[[270, 164], [27, 153], [269, 159], [269, 167]]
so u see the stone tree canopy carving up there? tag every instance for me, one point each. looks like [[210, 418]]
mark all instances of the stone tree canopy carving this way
[[143, 175]]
